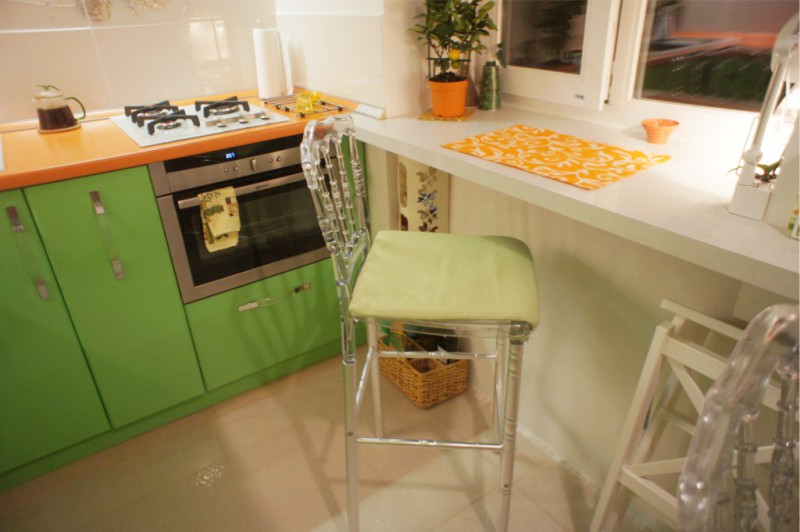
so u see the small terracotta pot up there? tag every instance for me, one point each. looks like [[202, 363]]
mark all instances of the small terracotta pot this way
[[658, 130], [448, 99]]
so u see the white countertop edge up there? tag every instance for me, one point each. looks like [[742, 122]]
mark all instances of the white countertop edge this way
[[685, 216]]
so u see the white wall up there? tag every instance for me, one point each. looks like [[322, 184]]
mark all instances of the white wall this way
[[359, 50], [190, 48], [335, 47]]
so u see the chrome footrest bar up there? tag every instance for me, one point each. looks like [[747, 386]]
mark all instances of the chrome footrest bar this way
[[458, 355], [432, 443]]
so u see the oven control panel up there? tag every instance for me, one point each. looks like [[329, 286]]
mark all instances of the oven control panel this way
[[200, 170], [259, 163]]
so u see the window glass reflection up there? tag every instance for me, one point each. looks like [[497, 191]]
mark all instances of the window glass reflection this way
[[710, 52], [544, 34]]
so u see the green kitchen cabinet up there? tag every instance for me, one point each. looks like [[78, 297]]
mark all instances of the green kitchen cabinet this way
[[48, 400], [255, 326], [104, 239]]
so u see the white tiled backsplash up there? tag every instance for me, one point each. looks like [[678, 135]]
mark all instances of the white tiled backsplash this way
[[188, 48], [354, 49]]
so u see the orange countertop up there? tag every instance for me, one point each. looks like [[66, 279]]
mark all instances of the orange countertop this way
[[99, 145]]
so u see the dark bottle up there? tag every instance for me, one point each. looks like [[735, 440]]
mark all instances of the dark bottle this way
[[489, 98]]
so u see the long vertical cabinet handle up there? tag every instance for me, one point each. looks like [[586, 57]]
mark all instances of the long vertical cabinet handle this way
[[25, 252], [105, 233]]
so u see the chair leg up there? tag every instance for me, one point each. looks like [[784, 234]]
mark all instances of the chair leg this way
[[375, 378], [501, 347], [349, 367], [509, 431]]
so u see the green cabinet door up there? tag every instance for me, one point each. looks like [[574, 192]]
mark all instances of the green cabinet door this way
[[236, 337], [48, 399], [108, 251]]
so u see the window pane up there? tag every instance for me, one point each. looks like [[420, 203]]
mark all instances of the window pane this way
[[545, 34], [710, 52]]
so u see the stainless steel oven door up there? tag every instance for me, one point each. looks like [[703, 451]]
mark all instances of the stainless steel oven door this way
[[279, 232]]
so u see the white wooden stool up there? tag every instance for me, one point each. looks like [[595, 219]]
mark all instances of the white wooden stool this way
[[675, 365]]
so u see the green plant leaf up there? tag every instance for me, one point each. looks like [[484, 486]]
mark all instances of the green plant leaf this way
[[453, 25]]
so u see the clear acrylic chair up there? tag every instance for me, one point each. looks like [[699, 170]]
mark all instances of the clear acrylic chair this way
[[474, 287], [725, 436]]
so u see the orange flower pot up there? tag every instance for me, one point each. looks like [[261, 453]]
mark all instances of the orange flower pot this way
[[658, 130], [448, 99]]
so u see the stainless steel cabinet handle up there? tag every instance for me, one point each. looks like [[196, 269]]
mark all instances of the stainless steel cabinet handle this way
[[105, 234], [25, 253], [268, 302]]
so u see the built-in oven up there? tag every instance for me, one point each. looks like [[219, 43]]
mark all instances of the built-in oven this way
[[279, 229]]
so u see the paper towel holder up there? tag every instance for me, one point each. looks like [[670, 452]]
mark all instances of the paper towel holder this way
[[273, 67]]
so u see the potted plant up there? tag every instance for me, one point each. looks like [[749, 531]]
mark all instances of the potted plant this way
[[452, 31]]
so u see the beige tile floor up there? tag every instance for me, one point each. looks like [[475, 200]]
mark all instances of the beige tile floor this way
[[272, 459]]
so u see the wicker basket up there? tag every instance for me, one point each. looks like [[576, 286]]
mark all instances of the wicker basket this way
[[426, 381]]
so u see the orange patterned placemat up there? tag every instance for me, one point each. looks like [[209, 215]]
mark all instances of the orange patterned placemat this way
[[582, 163]]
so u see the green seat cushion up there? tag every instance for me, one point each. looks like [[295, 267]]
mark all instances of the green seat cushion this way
[[443, 276]]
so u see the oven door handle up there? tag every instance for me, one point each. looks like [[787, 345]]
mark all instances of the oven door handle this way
[[188, 203], [268, 302]]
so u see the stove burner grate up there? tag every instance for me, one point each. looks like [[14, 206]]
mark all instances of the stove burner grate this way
[[221, 107], [170, 121], [149, 111]]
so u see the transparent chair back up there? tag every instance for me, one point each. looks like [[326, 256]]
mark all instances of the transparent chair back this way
[[335, 177], [706, 501]]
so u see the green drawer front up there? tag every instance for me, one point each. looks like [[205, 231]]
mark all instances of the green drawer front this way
[[232, 344], [48, 399], [134, 330]]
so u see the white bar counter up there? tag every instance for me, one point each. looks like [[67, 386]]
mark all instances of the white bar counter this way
[[678, 207]]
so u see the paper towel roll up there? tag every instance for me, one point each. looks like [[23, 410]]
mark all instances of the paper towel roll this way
[[272, 72]]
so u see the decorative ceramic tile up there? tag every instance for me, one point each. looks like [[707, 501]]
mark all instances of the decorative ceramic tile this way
[[424, 196]]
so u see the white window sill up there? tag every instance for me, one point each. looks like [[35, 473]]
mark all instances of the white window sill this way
[[678, 207]]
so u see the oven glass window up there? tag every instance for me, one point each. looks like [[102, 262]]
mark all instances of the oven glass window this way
[[276, 223]]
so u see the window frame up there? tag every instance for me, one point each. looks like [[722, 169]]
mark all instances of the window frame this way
[[587, 89], [707, 125]]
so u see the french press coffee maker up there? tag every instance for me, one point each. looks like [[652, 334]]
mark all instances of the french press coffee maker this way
[[54, 113]]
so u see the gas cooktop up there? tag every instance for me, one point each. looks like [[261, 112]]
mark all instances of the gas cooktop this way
[[162, 122]]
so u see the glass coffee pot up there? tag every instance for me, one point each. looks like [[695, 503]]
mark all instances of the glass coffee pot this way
[[54, 113]]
